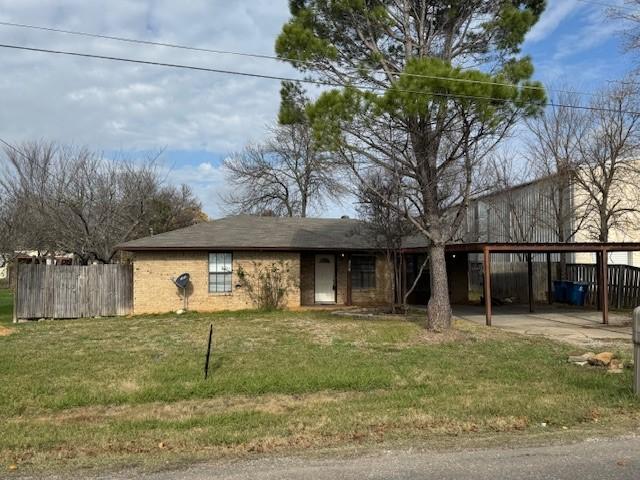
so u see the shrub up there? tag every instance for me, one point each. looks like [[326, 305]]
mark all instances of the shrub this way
[[268, 284]]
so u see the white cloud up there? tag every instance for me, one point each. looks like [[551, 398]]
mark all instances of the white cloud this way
[[117, 105], [555, 13], [595, 29], [207, 181]]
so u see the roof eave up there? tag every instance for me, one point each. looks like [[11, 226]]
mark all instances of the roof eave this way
[[125, 248]]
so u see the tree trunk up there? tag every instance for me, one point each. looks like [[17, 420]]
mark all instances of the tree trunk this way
[[563, 266], [439, 306]]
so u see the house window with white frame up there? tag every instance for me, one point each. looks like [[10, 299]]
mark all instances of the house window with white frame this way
[[220, 272]]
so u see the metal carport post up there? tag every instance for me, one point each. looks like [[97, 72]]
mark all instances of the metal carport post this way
[[602, 277]]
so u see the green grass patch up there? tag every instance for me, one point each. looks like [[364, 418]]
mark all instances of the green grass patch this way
[[6, 306], [107, 391]]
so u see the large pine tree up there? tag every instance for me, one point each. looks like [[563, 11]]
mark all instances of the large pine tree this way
[[424, 89]]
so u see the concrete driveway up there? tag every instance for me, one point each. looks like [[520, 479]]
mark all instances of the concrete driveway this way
[[576, 326]]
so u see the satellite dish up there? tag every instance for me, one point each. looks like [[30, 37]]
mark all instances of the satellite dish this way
[[181, 282]]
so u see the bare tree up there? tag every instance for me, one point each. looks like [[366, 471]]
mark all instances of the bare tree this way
[[511, 207], [379, 210], [287, 175], [57, 198], [608, 173], [629, 15], [553, 152]]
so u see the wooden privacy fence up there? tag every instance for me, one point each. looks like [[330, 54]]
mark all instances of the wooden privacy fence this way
[[65, 291], [623, 281], [509, 280]]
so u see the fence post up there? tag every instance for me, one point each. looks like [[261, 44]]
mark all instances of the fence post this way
[[15, 291], [636, 351]]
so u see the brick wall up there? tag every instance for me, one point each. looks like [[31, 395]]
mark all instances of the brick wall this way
[[374, 296], [382, 292], [154, 292], [307, 278]]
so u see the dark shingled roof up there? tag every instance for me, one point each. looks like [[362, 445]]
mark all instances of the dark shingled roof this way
[[245, 232]]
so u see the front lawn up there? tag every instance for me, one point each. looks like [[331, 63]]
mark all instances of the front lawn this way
[[6, 306], [113, 392]]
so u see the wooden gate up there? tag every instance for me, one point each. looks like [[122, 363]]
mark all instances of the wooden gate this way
[[65, 291]]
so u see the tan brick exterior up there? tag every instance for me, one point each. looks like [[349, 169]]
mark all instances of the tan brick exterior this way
[[154, 292], [307, 278], [382, 293]]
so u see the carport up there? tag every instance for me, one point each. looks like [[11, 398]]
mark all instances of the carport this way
[[601, 251]]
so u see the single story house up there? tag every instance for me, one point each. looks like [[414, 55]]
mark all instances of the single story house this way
[[332, 262]]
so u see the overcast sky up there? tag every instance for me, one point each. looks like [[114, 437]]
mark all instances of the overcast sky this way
[[199, 118]]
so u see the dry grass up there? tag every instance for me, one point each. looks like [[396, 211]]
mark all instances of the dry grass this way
[[5, 332], [109, 392]]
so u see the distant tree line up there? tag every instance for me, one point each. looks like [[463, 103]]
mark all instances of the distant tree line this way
[[57, 198]]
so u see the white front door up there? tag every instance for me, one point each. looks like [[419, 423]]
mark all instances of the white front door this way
[[325, 279]]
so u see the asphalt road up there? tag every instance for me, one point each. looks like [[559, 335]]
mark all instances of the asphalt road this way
[[592, 459]]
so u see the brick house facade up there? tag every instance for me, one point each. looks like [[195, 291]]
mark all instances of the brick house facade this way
[[329, 262]]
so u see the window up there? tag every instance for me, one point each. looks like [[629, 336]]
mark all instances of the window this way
[[363, 271], [220, 272]]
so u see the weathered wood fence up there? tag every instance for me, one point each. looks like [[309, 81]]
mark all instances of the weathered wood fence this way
[[66, 291], [623, 281], [509, 280]]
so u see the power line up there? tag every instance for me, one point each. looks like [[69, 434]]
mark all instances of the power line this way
[[149, 42], [301, 80], [7, 144], [309, 63], [17, 150]]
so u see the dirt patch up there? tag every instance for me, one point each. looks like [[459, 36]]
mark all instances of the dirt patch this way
[[274, 404], [5, 332], [325, 333], [432, 338]]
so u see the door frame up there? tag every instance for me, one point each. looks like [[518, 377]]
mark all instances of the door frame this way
[[335, 278]]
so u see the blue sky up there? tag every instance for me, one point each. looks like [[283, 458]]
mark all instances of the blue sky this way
[[577, 45], [198, 119]]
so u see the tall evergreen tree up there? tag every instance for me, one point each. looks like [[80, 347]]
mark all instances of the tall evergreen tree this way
[[423, 89]]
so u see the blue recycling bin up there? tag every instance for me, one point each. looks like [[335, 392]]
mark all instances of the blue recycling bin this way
[[578, 293], [561, 291]]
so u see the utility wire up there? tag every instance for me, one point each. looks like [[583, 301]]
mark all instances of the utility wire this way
[[301, 80], [309, 63], [17, 150], [7, 144]]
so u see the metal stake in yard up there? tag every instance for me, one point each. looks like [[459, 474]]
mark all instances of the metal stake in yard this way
[[206, 363], [636, 351]]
